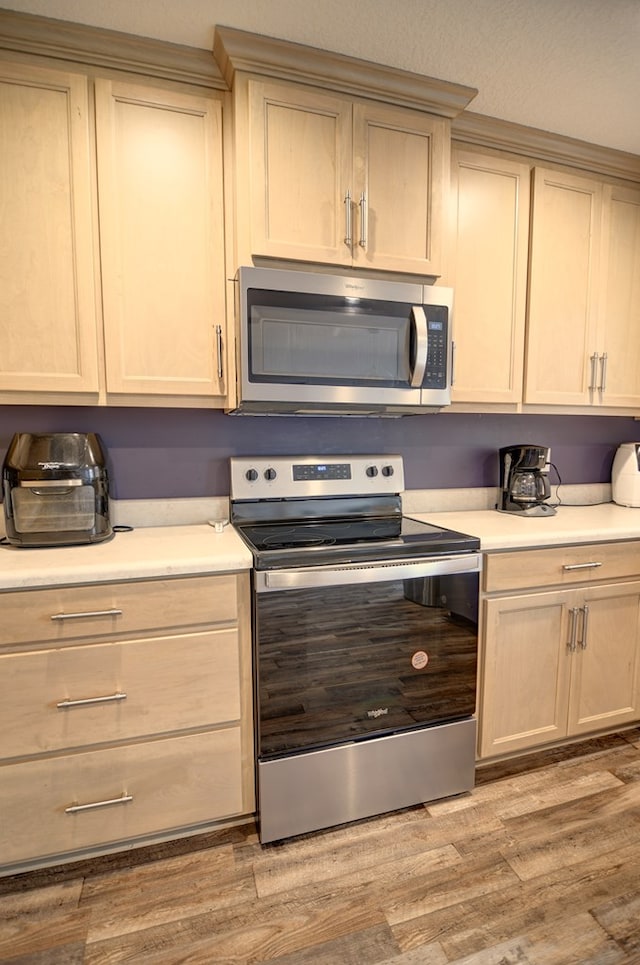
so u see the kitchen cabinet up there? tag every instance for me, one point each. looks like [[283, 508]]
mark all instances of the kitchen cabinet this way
[[563, 289], [160, 189], [562, 661], [490, 238], [126, 714], [48, 315], [619, 345], [113, 284], [337, 180], [583, 345]]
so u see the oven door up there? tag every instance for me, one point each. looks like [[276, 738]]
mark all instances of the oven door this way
[[348, 653]]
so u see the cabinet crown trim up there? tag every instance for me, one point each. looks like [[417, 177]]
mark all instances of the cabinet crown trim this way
[[238, 50], [491, 132], [98, 47]]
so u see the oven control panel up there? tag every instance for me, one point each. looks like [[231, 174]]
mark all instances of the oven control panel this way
[[285, 477]]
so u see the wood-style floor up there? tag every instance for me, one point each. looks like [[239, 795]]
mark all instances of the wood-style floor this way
[[539, 865]]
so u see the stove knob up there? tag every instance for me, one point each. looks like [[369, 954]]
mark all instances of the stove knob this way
[[251, 475], [372, 471], [270, 474], [387, 470]]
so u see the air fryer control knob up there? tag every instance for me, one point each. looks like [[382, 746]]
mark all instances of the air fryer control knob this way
[[372, 471], [270, 474], [251, 475], [387, 470]]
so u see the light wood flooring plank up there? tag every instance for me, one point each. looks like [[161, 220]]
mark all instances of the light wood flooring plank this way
[[171, 890], [540, 905]]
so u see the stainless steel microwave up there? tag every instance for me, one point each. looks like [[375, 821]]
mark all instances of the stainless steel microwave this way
[[317, 343]]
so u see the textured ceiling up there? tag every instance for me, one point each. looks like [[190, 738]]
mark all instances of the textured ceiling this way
[[567, 66]]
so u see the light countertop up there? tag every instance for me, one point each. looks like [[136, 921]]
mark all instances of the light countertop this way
[[165, 551], [157, 551], [571, 524]]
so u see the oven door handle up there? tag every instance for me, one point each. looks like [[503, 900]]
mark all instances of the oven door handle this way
[[378, 572]]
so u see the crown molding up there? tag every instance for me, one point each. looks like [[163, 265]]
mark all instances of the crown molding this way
[[491, 132], [96, 47], [238, 50]]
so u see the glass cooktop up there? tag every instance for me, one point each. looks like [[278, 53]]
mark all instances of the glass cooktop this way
[[307, 543]]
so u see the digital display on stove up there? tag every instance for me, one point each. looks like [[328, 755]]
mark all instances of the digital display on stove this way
[[321, 470]]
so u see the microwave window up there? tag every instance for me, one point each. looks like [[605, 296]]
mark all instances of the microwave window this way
[[313, 345]]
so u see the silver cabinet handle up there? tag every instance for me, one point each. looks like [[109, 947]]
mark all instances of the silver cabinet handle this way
[[219, 351], [419, 322], [581, 566], [573, 627], [594, 372], [87, 613], [75, 808], [364, 220], [84, 701], [453, 363], [585, 625], [603, 371], [348, 240]]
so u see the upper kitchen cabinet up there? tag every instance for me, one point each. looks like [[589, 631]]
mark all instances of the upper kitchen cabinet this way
[[488, 272], [619, 344], [161, 205], [48, 317], [584, 301], [112, 244], [561, 365], [337, 161], [345, 182]]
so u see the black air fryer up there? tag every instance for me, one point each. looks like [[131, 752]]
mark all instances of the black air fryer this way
[[56, 489]]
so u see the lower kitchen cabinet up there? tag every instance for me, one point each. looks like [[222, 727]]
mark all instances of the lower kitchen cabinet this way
[[563, 662], [123, 721]]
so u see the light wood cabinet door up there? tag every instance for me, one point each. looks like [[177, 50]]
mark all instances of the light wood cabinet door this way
[[401, 178], [490, 242], [342, 182], [299, 154], [619, 315], [561, 366], [604, 681], [160, 185], [48, 319], [526, 672]]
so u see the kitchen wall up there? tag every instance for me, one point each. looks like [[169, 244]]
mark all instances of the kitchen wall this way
[[165, 453]]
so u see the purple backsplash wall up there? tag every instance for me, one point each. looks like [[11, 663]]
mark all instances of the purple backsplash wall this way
[[162, 453]]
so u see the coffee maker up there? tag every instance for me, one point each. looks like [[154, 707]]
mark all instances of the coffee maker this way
[[524, 483]]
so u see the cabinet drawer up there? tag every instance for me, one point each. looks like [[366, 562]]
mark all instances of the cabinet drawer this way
[[173, 783], [561, 566], [70, 613], [76, 696]]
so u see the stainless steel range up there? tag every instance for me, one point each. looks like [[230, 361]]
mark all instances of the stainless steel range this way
[[365, 637]]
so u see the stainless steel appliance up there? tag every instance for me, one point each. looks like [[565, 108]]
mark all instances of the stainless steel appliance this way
[[365, 642], [625, 475], [524, 481], [313, 343], [56, 489]]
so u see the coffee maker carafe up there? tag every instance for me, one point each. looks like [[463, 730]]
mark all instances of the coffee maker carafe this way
[[524, 483]]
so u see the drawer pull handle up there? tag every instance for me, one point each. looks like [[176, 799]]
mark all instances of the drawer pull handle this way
[[74, 808], [581, 566], [87, 613], [63, 704]]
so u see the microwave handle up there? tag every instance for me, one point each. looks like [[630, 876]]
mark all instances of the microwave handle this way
[[419, 323]]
